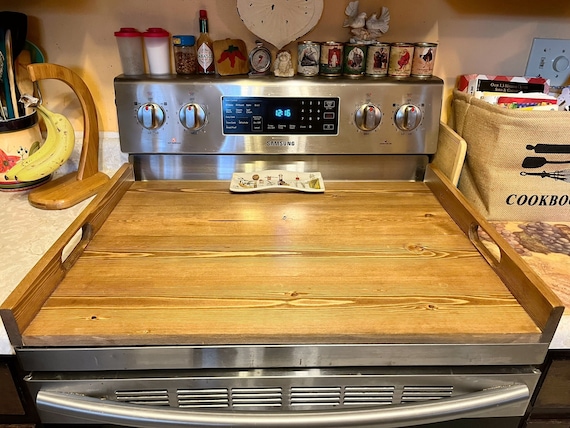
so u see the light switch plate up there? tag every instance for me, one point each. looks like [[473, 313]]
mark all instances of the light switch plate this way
[[550, 58]]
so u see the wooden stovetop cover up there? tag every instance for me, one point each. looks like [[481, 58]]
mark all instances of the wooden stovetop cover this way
[[169, 262]]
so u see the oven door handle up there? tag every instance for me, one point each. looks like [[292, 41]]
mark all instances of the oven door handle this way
[[110, 412]]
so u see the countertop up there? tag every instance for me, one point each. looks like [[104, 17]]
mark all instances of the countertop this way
[[28, 232]]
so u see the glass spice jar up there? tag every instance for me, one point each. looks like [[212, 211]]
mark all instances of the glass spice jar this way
[[185, 58]]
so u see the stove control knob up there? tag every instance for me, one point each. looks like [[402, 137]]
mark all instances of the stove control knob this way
[[408, 117], [367, 117], [151, 116], [192, 116]]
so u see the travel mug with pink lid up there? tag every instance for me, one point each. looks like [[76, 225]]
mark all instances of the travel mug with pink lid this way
[[129, 41], [157, 47]]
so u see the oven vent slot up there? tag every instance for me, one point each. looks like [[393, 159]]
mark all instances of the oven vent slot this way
[[206, 398], [256, 397], [150, 397], [425, 393], [234, 397], [368, 395], [315, 396]]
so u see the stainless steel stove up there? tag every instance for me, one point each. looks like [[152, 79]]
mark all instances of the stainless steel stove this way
[[207, 128]]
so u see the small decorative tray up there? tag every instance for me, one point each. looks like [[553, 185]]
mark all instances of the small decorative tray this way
[[272, 180]]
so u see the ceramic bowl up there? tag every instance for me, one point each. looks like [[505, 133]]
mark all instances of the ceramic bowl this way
[[18, 139]]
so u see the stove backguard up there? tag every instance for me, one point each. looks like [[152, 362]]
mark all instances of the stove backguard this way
[[210, 127]]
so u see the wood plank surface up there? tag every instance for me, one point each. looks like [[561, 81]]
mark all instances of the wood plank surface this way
[[192, 263]]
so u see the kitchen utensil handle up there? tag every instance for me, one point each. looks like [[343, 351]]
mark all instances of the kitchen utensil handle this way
[[549, 148], [105, 411], [11, 80]]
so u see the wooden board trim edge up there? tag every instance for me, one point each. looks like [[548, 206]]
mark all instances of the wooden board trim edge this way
[[533, 294], [25, 301]]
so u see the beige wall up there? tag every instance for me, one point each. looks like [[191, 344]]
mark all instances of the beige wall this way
[[486, 36]]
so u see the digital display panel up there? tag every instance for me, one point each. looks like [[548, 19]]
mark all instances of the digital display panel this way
[[280, 115]]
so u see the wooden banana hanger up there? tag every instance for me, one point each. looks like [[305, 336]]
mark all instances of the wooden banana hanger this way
[[69, 190]]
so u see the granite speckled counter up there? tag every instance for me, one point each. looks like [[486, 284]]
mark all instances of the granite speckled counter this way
[[26, 233]]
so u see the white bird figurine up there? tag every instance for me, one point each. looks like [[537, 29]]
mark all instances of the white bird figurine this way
[[366, 30], [381, 24], [354, 19], [359, 21]]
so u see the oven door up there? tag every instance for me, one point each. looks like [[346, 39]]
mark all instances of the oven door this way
[[387, 397]]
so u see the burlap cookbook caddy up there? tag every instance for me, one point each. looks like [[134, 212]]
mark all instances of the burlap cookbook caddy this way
[[508, 172]]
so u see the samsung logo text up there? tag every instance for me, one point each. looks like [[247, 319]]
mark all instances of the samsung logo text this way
[[280, 143]]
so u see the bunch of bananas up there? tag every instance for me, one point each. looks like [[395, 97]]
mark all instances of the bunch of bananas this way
[[53, 153]]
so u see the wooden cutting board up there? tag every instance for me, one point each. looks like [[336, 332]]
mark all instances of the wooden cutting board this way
[[231, 56]]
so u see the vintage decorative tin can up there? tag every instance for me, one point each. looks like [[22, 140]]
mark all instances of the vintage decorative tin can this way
[[331, 59], [424, 59], [354, 60], [401, 57], [308, 57], [377, 58]]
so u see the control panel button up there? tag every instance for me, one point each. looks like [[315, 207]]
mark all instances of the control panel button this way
[[257, 124]]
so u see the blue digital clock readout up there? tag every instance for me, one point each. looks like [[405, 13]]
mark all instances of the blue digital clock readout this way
[[282, 113]]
